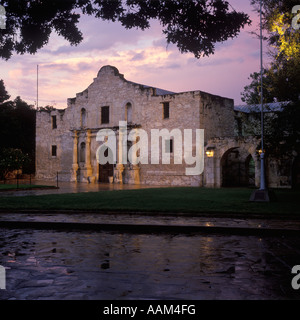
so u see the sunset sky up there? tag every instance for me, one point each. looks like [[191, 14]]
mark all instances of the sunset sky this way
[[142, 56]]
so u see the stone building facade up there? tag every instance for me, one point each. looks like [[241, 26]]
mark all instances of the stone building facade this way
[[66, 140]]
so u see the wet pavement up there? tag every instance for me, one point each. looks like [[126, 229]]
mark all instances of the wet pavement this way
[[49, 264]]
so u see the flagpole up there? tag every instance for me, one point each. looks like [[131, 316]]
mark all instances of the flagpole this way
[[262, 194], [37, 86], [262, 155]]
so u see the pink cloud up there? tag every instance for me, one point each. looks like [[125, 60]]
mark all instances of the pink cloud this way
[[142, 56]]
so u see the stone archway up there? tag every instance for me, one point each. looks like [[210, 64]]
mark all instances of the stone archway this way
[[106, 170], [234, 163], [235, 168]]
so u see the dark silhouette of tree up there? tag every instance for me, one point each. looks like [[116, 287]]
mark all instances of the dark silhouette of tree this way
[[251, 93], [3, 93], [193, 25], [17, 128], [11, 160]]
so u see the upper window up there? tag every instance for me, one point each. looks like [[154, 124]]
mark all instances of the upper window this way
[[54, 151], [83, 118], [166, 110], [105, 114], [53, 120], [128, 112]]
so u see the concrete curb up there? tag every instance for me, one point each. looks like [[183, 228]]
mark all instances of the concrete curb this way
[[147, 228], [225, 215]]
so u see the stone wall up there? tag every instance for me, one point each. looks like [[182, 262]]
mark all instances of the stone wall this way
[[48, 165]]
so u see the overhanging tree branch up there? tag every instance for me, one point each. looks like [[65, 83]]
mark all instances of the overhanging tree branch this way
[[192, 25]]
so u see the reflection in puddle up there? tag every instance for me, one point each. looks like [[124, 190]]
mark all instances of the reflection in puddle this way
[[103, 265]]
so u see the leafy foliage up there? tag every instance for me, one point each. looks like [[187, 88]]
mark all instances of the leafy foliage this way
[[17, 127], [194, 26], [11, 160], [281, 80], [3, 93], [251, 93], [47, 108], [283, 136], [282, 37]]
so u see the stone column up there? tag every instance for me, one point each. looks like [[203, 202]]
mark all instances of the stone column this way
[[218, 173], [136, 173], [122, 143], [210, 172], [135, 166], [122, 151], [75, 156], [119, 176], [88, 165]]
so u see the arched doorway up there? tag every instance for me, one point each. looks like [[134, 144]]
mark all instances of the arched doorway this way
[[106, 170], [237, 168], [230, 168], [82, 153]]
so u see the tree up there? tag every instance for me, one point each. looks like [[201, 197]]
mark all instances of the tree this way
[[278, 16], [47, 108], [251, 93], [281, 79], [280, 82], [194, 26], [3, 93], [11, 160], [17, 125], [283, 136], [17, 128], [284, 77]]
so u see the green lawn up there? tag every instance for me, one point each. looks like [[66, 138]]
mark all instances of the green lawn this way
[[192, 200]]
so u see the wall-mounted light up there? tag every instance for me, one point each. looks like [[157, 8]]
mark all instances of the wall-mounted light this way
[[210, 152]]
